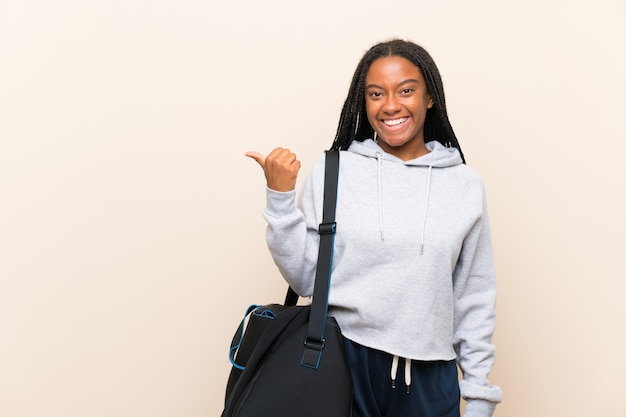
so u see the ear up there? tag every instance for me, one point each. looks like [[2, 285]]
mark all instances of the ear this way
[[431, 102]]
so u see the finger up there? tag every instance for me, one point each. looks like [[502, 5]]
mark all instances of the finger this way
[[257, 156], [278, 154], [293, 158], [281, 156]]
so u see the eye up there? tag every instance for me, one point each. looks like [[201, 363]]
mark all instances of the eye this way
[[376, 94], [407, 91]]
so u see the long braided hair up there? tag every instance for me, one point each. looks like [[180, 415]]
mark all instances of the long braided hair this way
[[353, 123]]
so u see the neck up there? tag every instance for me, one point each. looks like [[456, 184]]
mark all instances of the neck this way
[[407, 151]]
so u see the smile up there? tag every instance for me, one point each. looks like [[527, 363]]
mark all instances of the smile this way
[[395, 122]]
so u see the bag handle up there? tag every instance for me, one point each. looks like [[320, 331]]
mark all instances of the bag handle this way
[[314, 341]]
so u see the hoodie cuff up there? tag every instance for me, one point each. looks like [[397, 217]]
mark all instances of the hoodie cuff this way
[[280, 204], [479, 408]]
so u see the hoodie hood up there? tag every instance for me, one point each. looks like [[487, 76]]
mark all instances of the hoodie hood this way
[[438, 157]]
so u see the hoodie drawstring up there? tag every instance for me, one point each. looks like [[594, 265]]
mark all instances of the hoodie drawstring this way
[[407, 372], [379, 157], [430, 170]]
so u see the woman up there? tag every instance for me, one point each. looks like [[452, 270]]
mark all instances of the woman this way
[[413, 284]]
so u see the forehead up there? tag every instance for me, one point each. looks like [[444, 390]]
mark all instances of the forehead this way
[[392, 68]]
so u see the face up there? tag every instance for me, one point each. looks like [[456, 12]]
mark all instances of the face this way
[[396, 101]]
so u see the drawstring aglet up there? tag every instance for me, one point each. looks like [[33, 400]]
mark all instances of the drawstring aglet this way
[[394, 370]]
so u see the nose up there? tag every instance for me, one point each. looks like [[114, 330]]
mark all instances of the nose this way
[[391, 104]]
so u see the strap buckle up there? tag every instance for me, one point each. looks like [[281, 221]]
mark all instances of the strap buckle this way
[[327, 228], [312, 354], [314, 344]]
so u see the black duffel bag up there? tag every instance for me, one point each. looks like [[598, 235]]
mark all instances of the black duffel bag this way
[[288, 361]]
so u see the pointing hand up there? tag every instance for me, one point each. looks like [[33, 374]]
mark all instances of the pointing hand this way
[[280, 167]]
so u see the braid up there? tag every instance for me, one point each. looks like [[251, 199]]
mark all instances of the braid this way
[[353, 115], [353, 124]]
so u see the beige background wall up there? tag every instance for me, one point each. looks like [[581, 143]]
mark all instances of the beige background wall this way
[[131, 236]]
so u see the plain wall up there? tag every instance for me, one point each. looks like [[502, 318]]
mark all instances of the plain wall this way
[[131, 235]]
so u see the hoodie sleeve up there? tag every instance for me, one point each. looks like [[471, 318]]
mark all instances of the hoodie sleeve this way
[[474, 319], [291, 232]]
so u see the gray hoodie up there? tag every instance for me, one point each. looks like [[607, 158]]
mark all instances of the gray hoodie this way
[[412, 271]]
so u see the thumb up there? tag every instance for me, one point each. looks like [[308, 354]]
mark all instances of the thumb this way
[[257, 156]]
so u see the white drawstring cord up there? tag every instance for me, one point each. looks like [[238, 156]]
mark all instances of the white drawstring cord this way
[[430, 168], [380, 195], [407, 372]]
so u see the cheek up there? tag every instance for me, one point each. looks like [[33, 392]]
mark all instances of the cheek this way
[[370, 110], [420, 104]]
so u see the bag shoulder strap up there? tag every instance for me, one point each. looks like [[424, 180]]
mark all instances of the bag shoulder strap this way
[[314, 342]]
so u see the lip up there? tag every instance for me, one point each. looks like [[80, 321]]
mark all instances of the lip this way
[[397, 123]]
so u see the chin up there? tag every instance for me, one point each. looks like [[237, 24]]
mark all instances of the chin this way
[[396, 143]]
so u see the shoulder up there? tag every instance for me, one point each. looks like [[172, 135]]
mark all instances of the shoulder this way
[[471, 173], [345, 158], [315, 176], [463, 181], [466, 173]]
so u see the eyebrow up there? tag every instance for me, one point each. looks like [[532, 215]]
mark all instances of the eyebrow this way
[[410, 80]]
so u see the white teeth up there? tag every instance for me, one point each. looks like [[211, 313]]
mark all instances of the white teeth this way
[[394, 122]]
